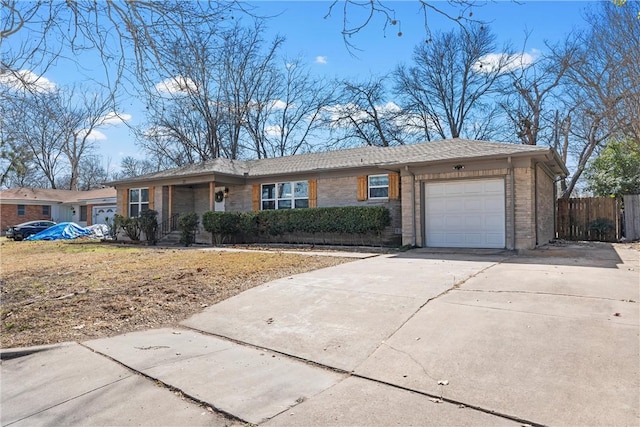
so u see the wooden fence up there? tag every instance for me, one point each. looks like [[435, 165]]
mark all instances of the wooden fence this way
[[593, 218], [632, 216]]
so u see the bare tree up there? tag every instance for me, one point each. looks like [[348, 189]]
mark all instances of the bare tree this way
[[128, 36], [603, 87], [357, 15], [31, 120], [364, 116], [532, 94], [450, 78], [53, 130], [287, 119], [80, 119], [130, 167], [198, 107], [91, 174]]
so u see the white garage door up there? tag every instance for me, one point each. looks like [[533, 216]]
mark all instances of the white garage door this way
[[101, 213], [465, 214]]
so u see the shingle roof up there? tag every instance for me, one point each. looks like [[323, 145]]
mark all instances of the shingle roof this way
[[370, 156], [218, 166], [51, 195], [450, 149]]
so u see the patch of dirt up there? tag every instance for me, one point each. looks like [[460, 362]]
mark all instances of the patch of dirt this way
[[78, 290]]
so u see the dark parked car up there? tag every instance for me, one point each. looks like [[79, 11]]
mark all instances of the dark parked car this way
[[26, 229]]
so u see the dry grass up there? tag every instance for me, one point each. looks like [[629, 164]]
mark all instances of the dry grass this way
[[78, 290]]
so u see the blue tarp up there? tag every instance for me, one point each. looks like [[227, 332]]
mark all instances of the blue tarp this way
[[64, 230]]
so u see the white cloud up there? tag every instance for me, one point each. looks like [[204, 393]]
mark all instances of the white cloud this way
[[272, 130], [93, 135], [26, 80], [278, 104], [390, 107], [321, 60], [114, 118], [489, 63], [176, 85]]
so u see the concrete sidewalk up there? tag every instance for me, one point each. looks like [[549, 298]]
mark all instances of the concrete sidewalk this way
[[418, 338]]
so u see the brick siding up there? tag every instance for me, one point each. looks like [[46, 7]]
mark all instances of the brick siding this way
[[9, 215], [546, 206], [525, 204]]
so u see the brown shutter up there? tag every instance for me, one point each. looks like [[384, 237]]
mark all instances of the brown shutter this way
[[362, 188], [89, 215], [212, 195], [151, 198], [313, 193], [394, 186], [256, 197], [123, 201]]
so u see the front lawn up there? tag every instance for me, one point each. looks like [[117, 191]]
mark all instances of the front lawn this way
[[78, 290]]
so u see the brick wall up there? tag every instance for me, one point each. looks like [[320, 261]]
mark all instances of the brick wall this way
[[546, 207], [331, 192], [525, 208], [240, 198], [530, 223], [9, 215]]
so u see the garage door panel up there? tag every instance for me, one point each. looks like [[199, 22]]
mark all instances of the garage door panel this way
[[474, 204], [493, 222], [438, 206], [473, 223], [468, 213], [494, 186], [453, 205], [495, 239], [454, 221], [473, 188]]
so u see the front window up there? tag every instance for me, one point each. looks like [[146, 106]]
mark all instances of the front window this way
[[138, 201], [46, 210], [22, 211], [285, 195], [83, 213], [378, 186]]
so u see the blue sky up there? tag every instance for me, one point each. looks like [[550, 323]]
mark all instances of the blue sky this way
[[319, 42]]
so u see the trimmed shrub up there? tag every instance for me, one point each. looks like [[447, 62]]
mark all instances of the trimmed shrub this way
[[249, 226], [222, 226], [131, 228], [348, 220], [148, 221], [114, 224], [187, 225]]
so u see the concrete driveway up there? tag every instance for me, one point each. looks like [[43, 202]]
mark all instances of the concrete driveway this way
[[546, 338]]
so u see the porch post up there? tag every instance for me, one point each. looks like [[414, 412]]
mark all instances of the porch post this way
[[170, 210], [212, 194]]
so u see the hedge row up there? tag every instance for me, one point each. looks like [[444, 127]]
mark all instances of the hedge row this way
[[347, 220]]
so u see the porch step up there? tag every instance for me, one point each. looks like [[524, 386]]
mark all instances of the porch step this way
[[171, 239]]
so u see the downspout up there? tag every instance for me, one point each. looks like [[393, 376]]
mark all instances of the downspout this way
[[556, 181], [413, 207], [513, 204], [535, 199]]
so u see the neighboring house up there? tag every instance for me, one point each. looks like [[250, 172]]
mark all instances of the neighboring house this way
[[451, 193], [18, 205]]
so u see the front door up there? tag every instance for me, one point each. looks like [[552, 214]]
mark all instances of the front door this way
[[220, 199]]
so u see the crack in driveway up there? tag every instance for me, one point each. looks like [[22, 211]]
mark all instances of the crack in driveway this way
[[455, 286], [545, 293]]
